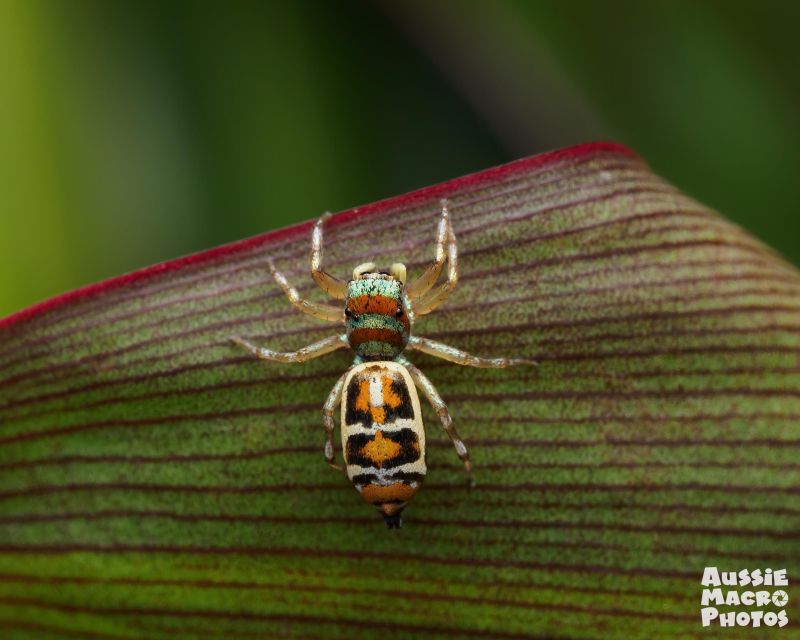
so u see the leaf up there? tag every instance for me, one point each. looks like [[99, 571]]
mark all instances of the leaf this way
[[156, 483]]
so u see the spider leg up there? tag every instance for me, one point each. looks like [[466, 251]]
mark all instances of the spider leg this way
[[430, 392], [423, 284], [321, 311], [334, 398], [314, 350], [433, 298], [446, 352], [334, 287]]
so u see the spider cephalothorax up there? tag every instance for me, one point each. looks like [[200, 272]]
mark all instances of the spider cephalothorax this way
[[383, 439], [376, 312]]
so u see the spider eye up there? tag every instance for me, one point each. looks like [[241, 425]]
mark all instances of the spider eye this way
[[348, 313], [399, 312]]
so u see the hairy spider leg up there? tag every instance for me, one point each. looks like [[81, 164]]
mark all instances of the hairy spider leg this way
[[333, 401], [423, 284], [321, 311], [437, 296], [334, 287], [430, 392], [451, 354], [314, 350]]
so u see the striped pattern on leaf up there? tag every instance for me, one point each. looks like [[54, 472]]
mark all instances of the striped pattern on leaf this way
[[156, 483]]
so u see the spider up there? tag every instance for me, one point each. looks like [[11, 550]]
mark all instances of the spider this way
[[383, 438]]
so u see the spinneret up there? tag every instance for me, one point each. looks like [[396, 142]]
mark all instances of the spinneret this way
[[383, 438]]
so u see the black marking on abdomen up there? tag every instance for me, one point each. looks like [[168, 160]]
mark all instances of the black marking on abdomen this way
[[406, 439], [404, 409], [396, 476]]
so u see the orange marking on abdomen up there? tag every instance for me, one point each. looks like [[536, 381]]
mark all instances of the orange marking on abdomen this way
[[362, 399], [390, 398], [375, 494], [380, 449]]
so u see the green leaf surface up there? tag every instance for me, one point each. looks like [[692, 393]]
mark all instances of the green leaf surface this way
[[156, 483]]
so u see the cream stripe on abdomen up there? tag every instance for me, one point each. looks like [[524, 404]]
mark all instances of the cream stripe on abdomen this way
[[376, 390]]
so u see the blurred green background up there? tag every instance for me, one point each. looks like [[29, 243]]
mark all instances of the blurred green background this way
[[134, 132]]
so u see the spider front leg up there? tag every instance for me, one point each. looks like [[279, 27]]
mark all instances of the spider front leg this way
[[451, 354], [314, 350], [423, 284], [435, 297], [322, 311], [332, 286], [333, 401], [430, 392]]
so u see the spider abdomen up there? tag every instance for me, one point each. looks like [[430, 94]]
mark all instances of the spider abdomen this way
[[383, 438]]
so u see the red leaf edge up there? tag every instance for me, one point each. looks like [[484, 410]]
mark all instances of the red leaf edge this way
[[430, 192]]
